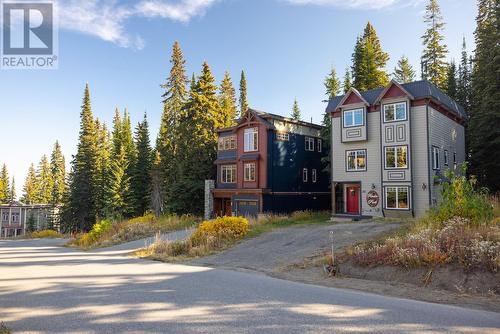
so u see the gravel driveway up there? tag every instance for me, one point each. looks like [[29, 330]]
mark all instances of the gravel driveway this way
[[270, 251]]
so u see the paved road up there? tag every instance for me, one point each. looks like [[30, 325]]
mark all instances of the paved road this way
[[48, 289]]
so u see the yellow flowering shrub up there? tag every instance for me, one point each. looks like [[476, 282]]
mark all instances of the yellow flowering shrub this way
[[223, 228], [46, 234]]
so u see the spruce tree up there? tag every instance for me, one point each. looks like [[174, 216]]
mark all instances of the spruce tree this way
[[117, 132], [368, 61], [4, 184], [484, 132], [403, 72], [141, 177], [44, 180], [243, 95], [227, 101], [347, 84], [12, 191], [30, 188], [295, 115], [105, 153], [434, 67], [174, 99], [464, 80], [157, 194], [198, 140], [451, 80], [332, 85], [58, 171], [82, 197], [120, 187]]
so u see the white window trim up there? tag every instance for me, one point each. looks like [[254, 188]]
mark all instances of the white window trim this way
[[397, 197], [435, 158], [314, 176], [445, 158], [395, 157], [320, 145], [353, 111], [309, 144], [254, 133], [395, 119], [304, 175], [455, 159], [282, 136], [228, 168], [356, 169], [249, 164]]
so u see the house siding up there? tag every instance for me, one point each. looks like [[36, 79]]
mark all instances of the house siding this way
[[420, 160]]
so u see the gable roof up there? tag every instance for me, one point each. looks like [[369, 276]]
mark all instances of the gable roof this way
[[353, 90], [419, 89]]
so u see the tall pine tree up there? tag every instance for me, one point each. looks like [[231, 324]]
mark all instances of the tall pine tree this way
[[347, 84], [368, 61], [45, 181], [30, 188], [227, 100], [141, 177], [332, 86], [451, 80], [12, 191], [464, 80], [434, 67], [403, 72], [4, 184], [484, 132], [295, 115], [243, 94], [58, 171]]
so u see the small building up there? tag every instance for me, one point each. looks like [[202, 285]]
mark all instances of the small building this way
[[390, 147], [270, 163], [16, 218]]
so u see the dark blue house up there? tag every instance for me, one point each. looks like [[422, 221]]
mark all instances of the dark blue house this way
[[270, 163]]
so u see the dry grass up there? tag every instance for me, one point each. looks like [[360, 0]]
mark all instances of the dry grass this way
[[4, 329], [45, 234], [268, 222]]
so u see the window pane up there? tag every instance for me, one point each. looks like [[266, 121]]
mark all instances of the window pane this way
[[389, 112], [403, 198], [391, 198], [348, 118], [401, 111], [402, 157], [351, 161], [390, 160], [361, 159], [358, 117]]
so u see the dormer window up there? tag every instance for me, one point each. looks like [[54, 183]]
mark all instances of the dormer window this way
[[354, 117], [395, 112], [251, 139]]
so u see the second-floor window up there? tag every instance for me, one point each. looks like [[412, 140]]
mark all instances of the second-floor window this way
[[435, 157], [249, 172], [320, 144], [309, 144], [396, 157], [314, 176], [251, 138], [282, 136], [228, 174], [455, 159], [356, 160], [304, 175], [395, 112], [227, 143], [353, 117], [15, 218], [5, 217], [445, 157]]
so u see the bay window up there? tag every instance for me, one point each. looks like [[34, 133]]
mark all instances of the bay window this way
[[353, 117]]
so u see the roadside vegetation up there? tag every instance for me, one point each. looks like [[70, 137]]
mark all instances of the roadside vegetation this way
[[221, 233], [4, 329], [464, 230], [107, 233], [45, 234]]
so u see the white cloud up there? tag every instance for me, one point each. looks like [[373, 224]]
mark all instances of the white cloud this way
[[368, 4], [106, 19]]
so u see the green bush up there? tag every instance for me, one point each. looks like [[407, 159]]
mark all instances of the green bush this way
[[45, 234], [88, 239], [461, 198]]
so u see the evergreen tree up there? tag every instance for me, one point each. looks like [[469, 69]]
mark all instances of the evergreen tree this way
[[105, 152], [120, 187], [157, 195], [243, 95], [198, 140], [30, 189], [12, 191], [82, 198], [141, 177], [4, 184], [451, 80], [31, 223], [295, 111], [117, 133], [227, 101], [167, 141], [403, 72], [368, 61], [434, 67], [464, 80], [58, 171], [347, 84], [44, 180], [332, 85], [484, 132]]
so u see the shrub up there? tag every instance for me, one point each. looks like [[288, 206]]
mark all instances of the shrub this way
[[46, 234], [90, 238], [461, 198], [4, 329], [221, 229]]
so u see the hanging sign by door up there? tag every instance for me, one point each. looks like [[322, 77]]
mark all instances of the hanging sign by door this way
[[372, 198]]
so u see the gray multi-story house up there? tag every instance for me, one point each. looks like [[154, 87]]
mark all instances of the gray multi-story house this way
[[390, 147], [16, 217]]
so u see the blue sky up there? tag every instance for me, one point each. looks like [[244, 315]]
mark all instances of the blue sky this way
[[122, 49]]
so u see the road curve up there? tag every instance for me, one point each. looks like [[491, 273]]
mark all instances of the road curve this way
[[45, 288]]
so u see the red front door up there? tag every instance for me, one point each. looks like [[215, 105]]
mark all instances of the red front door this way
[[352, 202]]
